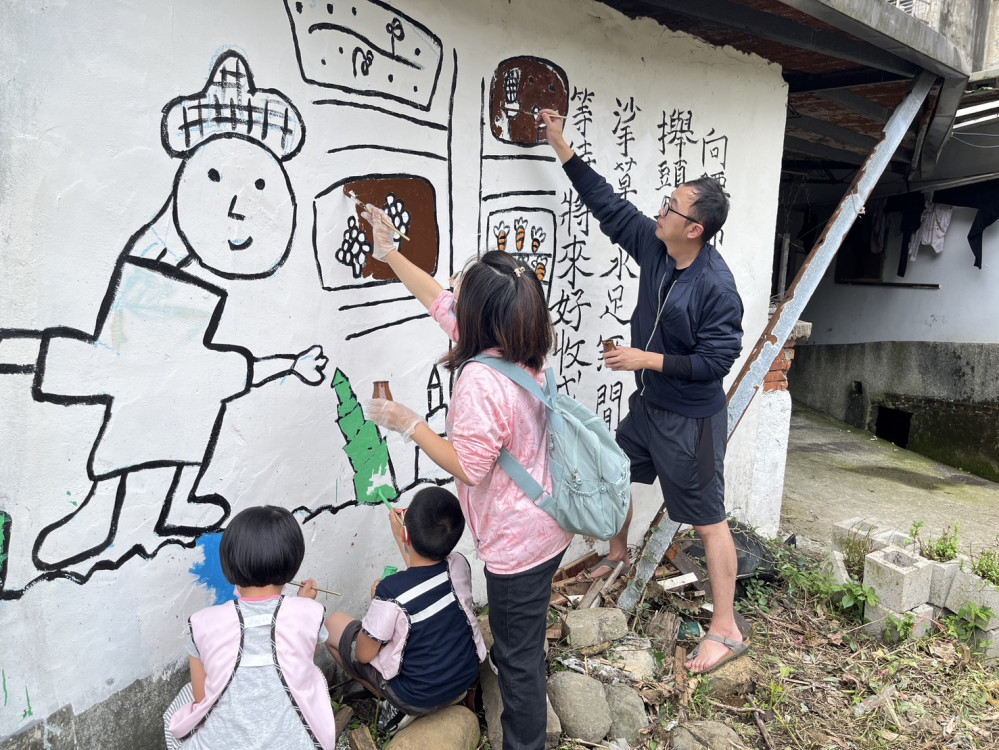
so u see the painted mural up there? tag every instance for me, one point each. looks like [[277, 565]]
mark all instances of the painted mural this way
[[220, 355]]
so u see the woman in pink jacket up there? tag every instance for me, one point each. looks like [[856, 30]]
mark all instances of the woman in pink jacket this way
[[498, 308]]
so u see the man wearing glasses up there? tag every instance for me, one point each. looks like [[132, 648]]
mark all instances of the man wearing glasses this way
[[686, 332]]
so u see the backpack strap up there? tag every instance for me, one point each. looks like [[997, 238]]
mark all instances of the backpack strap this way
[[517, 374], [521, 476]]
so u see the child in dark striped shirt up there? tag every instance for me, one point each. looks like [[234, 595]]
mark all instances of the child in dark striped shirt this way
[[419, 646]]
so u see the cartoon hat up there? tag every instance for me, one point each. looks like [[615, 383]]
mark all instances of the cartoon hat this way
[[230, 103]]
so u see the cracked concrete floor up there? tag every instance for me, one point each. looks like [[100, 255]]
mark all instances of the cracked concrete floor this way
[[835, 472]]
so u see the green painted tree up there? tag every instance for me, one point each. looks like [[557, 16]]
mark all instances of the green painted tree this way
[[374, 480]]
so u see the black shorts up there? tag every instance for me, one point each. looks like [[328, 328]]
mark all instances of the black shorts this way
[[348, 652], [687, 454]]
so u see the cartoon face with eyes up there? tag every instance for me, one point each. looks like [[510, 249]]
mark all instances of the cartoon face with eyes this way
[[234, 207]]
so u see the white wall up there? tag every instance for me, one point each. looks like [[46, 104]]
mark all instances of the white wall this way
[[90, 605], [960, 311]]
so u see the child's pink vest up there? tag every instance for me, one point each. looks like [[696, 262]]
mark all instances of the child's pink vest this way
[[218, 634]]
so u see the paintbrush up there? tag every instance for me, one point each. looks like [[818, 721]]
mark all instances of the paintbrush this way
[[386, 222], [393, 509], [325, 591]]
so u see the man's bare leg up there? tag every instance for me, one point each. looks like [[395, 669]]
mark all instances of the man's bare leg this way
[[719, 549], [618, 549]]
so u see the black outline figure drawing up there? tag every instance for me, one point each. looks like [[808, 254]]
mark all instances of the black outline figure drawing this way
[[366, 47], [231, 215]]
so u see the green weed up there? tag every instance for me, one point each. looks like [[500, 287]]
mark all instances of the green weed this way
[[986, 566]]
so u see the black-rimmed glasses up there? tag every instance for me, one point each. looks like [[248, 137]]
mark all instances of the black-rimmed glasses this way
[[666, 208]]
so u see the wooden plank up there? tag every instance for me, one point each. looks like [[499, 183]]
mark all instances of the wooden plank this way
[[576, 567], [341, 720], [591, 595], [678, 582], [685, 564], [360, 739]]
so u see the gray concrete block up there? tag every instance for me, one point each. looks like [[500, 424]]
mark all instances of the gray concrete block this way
[[887, 623], [836, 565], [967, 587], [900, 579], [898, 538], [844, 533], [941, 580], [987, 645], [925, 617]]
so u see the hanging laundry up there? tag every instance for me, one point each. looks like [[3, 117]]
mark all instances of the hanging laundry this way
[[933, 224]]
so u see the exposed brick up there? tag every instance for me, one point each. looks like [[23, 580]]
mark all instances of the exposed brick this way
[[775, 386]]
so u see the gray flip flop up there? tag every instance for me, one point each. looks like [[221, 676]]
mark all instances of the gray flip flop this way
[[737, 649]]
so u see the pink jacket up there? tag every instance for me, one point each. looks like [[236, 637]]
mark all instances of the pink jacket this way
[[218, 635], [487, 412]]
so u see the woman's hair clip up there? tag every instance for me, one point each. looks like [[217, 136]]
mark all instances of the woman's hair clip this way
[[518, 271]]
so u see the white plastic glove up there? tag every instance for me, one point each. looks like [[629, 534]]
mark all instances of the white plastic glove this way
[[383, 238], [392, 416]]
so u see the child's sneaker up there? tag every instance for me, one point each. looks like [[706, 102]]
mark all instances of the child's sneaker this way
[[492, 664], [391, 719]]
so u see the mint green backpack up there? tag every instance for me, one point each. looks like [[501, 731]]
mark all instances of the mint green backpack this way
[[591, 475]]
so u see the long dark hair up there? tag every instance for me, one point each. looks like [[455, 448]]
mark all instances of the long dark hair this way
[[501, 304]]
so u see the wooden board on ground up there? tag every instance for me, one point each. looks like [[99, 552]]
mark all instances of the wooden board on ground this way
[[360, 739], [591, 594], [677, 582], [576, 567], [342, 719]]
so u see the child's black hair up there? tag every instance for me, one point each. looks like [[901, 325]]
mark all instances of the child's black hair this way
[[434, 522], [262, 546]]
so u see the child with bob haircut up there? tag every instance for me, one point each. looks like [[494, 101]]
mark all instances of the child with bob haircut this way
[[254, 684], [497, 308], [419, 646]]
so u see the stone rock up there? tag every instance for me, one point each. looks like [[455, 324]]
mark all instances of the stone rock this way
[[627, 710], [581, 705], [492, 704], [588, 627], [706, 735], [451, 728], [735, 678], [633, 654]]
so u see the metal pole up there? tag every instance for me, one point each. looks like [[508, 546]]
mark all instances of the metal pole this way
[[788, 311]]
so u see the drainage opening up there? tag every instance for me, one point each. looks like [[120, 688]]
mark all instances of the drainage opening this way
[[893, 425]]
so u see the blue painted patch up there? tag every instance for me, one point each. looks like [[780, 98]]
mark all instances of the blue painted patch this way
[[209, 572]]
